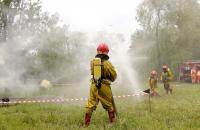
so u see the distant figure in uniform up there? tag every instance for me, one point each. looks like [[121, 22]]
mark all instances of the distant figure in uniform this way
[[153, 80], [194, 74], [103, 74], [166, 78], [198, 76]]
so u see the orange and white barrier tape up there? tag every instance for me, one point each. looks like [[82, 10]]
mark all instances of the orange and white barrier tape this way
[[62, 100]]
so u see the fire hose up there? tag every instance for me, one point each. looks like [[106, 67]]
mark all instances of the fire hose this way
[[58, 99]]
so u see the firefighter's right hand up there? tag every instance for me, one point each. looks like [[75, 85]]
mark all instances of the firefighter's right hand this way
[[98, 85]]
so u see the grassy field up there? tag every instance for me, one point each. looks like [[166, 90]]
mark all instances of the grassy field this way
[[180, 111]]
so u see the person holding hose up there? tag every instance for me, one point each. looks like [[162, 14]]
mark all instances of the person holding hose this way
[[103, 74], [153, 80], [166, 78]]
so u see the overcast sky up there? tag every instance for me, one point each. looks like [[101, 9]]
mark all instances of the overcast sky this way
[[96, 15]]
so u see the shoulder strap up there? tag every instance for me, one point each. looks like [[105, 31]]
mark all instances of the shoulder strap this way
[[102, 69]]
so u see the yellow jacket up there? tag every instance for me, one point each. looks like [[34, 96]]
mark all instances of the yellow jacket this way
[[153, 83], [108, 72], [166, 76], [103, 94]]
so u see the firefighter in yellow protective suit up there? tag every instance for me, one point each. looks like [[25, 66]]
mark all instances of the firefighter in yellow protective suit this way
[[166, 77], [103, 73], [153, 83]]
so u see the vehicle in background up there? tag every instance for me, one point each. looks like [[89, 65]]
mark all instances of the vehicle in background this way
[[185, 70]]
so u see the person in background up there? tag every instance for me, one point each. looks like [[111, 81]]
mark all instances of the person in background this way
[[166, 78], [193, 74], [153, 83], [198, 76]]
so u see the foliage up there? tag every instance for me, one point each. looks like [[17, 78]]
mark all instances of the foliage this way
[[40, 47], [172, 29]]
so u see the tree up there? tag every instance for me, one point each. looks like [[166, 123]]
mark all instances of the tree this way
[[37, 47], [172, 28], [8, 11]]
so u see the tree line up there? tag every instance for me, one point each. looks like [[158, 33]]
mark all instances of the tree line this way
[[35, 45], [168, 33]]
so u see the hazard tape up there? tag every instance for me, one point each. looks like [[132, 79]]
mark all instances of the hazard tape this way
[[63, 84], [28, 101]]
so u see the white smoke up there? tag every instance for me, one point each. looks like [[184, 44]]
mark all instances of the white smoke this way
[[120, 57], [12, 70]]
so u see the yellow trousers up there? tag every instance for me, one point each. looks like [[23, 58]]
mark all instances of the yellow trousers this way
[[167, 86], [104, 95]]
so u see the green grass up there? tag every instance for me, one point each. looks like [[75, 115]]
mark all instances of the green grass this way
[[180, 111]]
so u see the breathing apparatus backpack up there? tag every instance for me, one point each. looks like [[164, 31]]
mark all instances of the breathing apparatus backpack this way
[[97, 76]]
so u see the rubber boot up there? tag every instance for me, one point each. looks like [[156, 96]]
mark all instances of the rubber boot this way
[[111, 118], [87, 119]]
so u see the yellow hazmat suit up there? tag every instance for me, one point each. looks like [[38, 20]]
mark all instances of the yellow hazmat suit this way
[[104, 93], [166, 77], [153, 83]]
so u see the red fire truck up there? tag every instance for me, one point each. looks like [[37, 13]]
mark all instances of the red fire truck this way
[[185, 69]]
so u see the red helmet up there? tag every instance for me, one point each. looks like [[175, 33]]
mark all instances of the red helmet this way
[[103, 47], [153, 72], [194, 67], [165, 67]]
